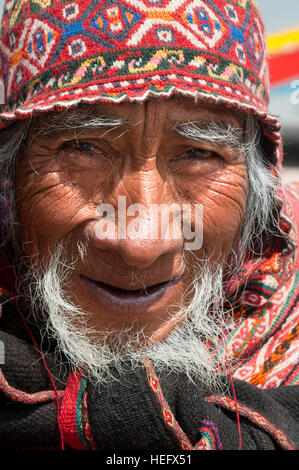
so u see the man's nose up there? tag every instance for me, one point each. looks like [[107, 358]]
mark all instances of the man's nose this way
[[145, 223], [143, 253]]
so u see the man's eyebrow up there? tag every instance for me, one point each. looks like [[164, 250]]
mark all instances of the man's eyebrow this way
[[215, 132], [77, 120]]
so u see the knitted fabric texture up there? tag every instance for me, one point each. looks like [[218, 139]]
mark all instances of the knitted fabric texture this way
[[142, 411], [57, 54]]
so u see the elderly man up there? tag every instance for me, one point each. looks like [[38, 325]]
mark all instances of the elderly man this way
[[148, 250]]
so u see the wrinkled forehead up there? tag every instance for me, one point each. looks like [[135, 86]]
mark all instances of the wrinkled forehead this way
[[156, 111]]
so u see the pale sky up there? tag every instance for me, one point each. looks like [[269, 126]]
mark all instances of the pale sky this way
[[279, 14]]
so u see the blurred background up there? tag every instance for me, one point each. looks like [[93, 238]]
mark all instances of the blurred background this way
[[282, 24], [281, 19]]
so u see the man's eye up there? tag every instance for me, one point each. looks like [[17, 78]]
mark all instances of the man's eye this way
[[197, 154], [82, 147]]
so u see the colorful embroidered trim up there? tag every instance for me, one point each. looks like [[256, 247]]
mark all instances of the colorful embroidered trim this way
[[209, 440], [74, 414], [168, 416], [26, 398], [255, 418]]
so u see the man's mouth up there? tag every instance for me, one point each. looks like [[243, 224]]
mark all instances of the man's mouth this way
[[131, 295]]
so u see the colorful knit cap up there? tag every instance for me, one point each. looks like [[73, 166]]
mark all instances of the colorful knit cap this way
[[56, 54]]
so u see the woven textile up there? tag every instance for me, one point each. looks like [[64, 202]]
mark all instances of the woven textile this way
[[56, 54], [140, 412], [265, 340], [134, 413]]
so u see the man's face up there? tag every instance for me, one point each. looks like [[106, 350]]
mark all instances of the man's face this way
[[67, 174]]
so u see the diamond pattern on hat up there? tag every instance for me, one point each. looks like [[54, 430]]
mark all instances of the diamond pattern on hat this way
[[203, 22], [115, 20], [40, 42]]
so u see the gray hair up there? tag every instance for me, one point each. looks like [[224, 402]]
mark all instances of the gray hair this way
[[11, 140]]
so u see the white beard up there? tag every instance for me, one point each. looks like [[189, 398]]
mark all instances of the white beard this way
[[190, 348]]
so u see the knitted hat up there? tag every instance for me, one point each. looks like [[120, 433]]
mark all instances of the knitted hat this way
[[56, 54]]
